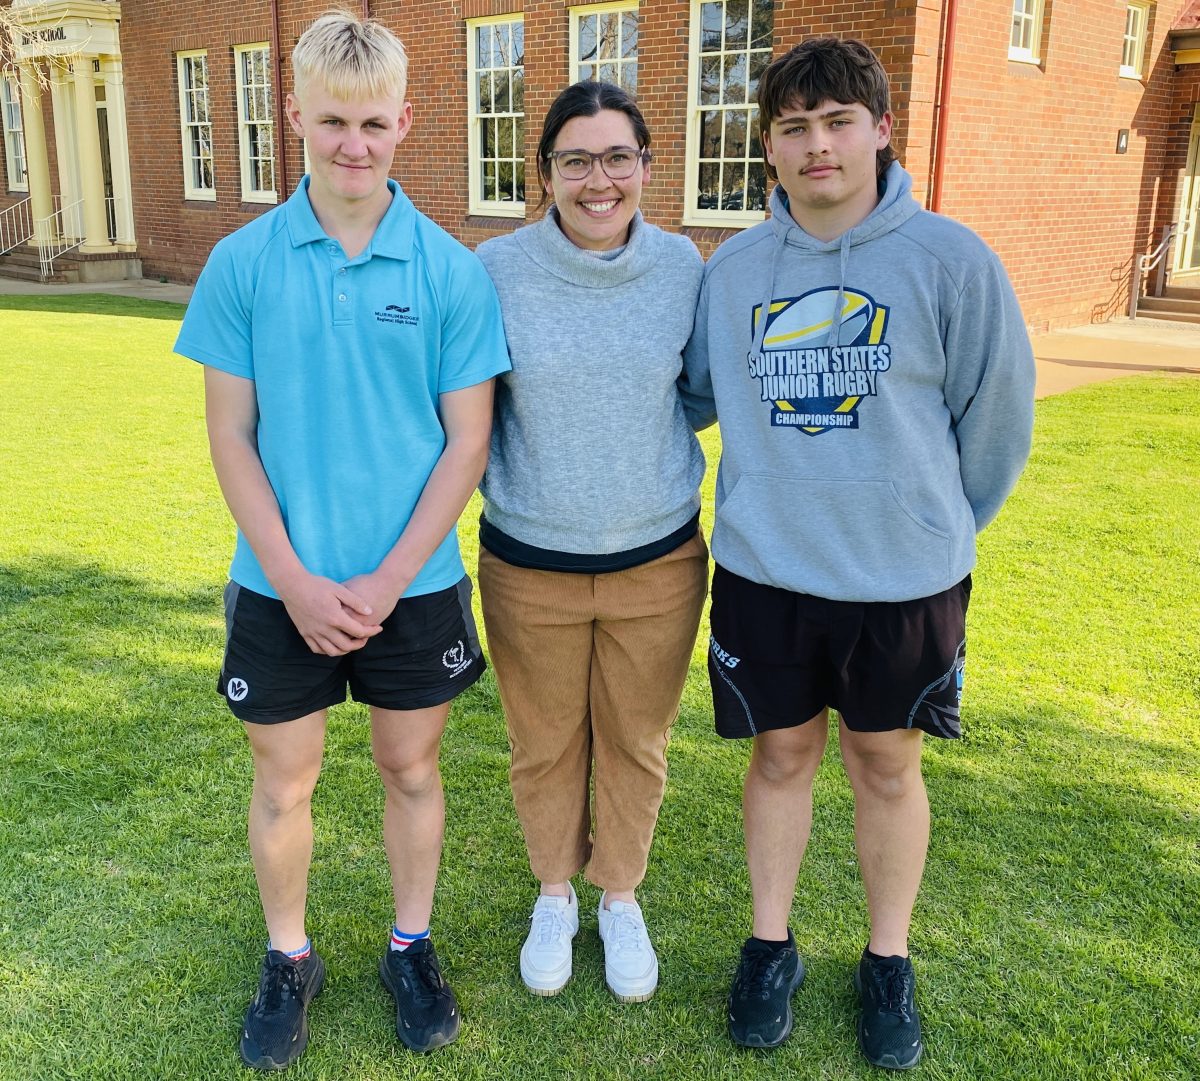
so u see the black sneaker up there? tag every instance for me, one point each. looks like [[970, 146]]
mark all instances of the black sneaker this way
[[275, 1032], [760, 1000], [889, 1030], [426, 1009]]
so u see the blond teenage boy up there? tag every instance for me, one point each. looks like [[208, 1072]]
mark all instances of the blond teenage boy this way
[[349, 347]]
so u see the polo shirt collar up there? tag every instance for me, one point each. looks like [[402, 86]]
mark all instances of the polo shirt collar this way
[[393, 237]]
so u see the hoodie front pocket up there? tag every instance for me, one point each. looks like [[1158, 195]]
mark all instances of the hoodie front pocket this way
[[841, 539]]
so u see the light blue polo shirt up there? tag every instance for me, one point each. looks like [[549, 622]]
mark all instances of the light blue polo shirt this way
[[348, 357]]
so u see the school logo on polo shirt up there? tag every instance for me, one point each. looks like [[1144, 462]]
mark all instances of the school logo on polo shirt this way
[[397, 313], [808, 383]]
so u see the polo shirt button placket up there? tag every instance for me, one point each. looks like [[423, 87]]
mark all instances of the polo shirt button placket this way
[[343, 310]]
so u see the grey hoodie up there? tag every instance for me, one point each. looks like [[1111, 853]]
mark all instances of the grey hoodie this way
[[877, 419]]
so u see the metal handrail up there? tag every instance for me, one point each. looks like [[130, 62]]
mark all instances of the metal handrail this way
[[1143, 264], [59, 233], [16, 226]]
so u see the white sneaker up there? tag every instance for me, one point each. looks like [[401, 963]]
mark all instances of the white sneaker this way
[[630, 964], [546, 954]]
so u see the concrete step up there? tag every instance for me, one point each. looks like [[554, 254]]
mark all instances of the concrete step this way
[[1182, 292], [24, 264], [1168, 316], [1169, 304], [17, 272]]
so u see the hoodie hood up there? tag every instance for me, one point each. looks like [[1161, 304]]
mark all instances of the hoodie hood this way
[[894, 208]]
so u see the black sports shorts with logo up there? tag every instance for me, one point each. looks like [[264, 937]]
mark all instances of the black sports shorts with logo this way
[[777, 658], [427, 653]]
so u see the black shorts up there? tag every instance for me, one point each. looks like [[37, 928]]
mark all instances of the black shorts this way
[[777, 658], [426, 654]]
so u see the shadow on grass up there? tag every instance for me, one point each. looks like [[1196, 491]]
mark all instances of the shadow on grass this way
[[93, 304]]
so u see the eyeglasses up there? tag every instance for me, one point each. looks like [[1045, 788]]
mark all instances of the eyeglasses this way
[[619, 163]]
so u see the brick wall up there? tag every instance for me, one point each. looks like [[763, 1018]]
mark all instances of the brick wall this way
[[1030, 160], [1031, 153]]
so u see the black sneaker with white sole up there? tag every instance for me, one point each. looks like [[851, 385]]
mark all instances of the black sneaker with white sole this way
[[889, 1030], [426, 1009], [275, 1031], [760, 1000]]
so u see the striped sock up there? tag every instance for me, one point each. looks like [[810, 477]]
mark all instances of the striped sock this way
[[401, 940], [296, 955]]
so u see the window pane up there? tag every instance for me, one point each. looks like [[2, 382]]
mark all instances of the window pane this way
[[520, 180], [484, 83], [755, 150], [608, 73], [709, 184], [504, 140], [504, 181], [610, 26], [756, 187], [503, 101], [710, 79], [758, 64], [587, 38], [518, 39], [483, 45], [518, 90], [734, 91], [737, 15], [733, 188], [710, 134], [735, 134], [762, 25], [711, 19], [587, 71], [629, 79]]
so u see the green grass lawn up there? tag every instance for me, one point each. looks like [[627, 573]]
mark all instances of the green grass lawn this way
[[1055, 937]]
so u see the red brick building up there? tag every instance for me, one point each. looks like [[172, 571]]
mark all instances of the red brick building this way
[[1065, 133]]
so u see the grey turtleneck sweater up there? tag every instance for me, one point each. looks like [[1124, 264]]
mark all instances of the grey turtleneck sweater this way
[[591, 452]]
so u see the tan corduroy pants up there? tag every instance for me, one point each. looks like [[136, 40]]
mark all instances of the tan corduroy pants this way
[[591, 668]]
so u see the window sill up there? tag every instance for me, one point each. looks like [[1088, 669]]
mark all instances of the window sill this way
[[495, 210]]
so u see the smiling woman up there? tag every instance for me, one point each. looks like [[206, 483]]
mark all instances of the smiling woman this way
[[593, 570]]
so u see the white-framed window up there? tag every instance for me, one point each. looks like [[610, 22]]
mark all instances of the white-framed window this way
[[195, 123], [496, 106], [726, 181], [604, 41], [1133, 47], [14, 134], [1025, 40], [256, 124]]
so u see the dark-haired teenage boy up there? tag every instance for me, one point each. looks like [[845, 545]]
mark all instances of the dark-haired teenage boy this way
[[874, 382]]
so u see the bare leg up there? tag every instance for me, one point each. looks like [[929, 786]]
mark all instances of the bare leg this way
[[287, 762], [891, 828], [777, 812], [406, 744]]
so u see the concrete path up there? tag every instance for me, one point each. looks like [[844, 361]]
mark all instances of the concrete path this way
[[1065, 359], [1092, 354]]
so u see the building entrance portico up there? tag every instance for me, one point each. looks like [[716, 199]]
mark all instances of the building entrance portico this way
[[68, 57]]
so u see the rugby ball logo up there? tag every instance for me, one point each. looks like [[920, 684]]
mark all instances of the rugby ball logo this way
[[812, 381]]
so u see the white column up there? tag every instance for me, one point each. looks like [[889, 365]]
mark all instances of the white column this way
[[118, 150], [62, 97], [37, 164], [91, 179]]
